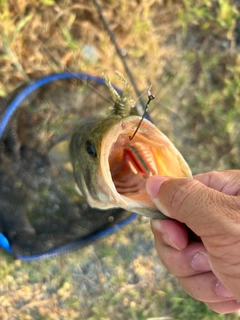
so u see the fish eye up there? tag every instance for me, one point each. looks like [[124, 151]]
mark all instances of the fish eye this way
[[90, 148]]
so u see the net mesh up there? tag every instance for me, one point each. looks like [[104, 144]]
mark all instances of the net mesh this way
[[41, 213]]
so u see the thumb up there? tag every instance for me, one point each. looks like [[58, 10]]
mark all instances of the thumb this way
[[191, 202]]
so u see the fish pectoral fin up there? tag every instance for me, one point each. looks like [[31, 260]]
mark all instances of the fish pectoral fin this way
[[59, 155]]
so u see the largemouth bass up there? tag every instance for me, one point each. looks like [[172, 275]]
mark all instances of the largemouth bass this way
[[40, 212], [110, 169]]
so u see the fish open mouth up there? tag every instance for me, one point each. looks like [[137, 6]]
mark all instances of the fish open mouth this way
[[130, 162]]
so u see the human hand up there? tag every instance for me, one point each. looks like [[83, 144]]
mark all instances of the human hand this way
[[208, 269]]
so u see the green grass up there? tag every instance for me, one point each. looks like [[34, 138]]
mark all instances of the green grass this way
[[187, 50], [216, 17], [213, 93]]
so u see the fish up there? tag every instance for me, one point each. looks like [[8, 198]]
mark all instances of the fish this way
[[41, 214], [111, 162]]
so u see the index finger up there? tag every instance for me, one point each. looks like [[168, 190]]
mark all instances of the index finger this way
[[227, 182]]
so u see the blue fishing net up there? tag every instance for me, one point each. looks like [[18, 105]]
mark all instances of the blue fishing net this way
[[41, 213]]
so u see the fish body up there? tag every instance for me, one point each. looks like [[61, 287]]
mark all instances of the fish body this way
[[110, 169]]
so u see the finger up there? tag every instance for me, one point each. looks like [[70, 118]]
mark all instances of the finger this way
[[224, 307], [170, 232], [205, 287], [228, 182], [198, 206], [184, 263]]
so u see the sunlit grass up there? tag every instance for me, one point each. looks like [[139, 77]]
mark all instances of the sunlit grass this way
[[212, 99], [217, 17]]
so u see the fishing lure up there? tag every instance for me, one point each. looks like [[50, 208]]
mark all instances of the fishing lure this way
[[150, 98]]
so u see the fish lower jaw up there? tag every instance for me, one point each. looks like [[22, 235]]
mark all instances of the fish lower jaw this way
[[150, 213], [127, 204], [142, 208]]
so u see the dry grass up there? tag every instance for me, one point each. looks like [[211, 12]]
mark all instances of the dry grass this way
[[38, 39]]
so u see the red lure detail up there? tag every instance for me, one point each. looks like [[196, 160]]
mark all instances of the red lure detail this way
[[128, 153]]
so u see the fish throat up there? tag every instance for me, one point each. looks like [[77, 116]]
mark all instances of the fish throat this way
[[130, 165]]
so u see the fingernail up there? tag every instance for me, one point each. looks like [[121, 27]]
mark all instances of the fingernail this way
[[200, 262], [221, 291], [157, 225], [153, 185]]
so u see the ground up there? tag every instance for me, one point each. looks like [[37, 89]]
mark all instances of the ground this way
[[189, 51]]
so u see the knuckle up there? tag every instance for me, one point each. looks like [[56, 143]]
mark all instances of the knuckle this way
[[182, 194]]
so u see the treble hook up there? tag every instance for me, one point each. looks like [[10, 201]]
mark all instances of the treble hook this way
[[150, 98]]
